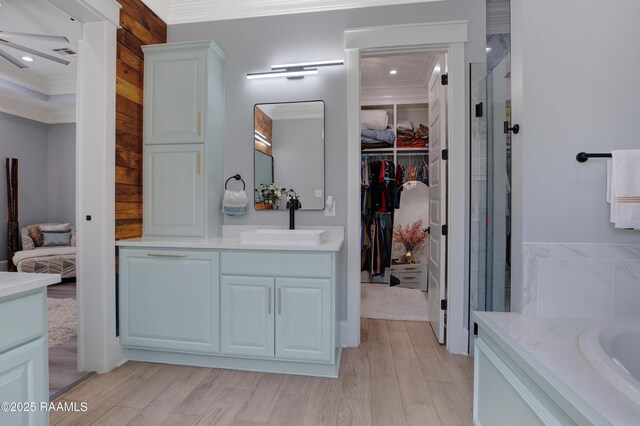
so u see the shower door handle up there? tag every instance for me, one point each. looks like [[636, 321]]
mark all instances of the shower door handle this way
[[515, 128]]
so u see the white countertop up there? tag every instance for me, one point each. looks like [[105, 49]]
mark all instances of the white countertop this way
[[12, 283], [230, 240], [550, 347]]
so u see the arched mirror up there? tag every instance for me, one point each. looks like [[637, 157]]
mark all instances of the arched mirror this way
[[410, 252]]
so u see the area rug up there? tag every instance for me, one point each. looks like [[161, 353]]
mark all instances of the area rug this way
[[62, 321], [379, 301]]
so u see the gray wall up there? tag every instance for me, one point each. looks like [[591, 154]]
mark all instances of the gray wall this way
[[25, 140], [254, 44], [61, 172], [568, 98], [299, 161], [46, 179]]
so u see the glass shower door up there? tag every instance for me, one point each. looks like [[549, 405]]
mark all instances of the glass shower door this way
[[490, 218]]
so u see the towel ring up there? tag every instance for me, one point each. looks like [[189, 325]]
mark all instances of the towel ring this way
[[236, 177]]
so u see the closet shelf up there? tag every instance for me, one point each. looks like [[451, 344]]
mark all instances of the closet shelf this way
[[377, 150]]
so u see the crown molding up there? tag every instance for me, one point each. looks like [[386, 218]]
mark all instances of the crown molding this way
[[189, 11], [50, 110], [160, 8], [56, 85]]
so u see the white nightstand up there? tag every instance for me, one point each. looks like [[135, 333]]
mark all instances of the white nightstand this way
[[412, 275]]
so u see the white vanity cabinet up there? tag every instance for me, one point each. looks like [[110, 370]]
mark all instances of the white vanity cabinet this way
[[183, 139], [174, 93], [169, 299], [273, 310], [174, 190], [284, 318]]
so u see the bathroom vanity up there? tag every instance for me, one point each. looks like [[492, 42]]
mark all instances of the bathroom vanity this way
[[24, 368], [224, 303], [533, 371]]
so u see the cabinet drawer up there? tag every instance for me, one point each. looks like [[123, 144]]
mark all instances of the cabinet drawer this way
[[410, 277], [26, 313], [277, 264]]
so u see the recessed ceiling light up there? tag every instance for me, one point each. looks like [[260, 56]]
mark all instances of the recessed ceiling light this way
[[393, 72], [27, 58], [488, 49]]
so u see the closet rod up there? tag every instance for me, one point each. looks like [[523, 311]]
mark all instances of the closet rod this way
[[390, 154], [583, 156]]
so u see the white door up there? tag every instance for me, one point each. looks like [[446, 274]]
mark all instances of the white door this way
[[303, 318], [246, 316], [438, 199]]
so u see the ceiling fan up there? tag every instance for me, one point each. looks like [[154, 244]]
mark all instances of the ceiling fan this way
[[7, 36]]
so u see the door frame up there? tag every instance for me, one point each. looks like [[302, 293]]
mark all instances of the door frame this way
[[449, 37], [98, 347]]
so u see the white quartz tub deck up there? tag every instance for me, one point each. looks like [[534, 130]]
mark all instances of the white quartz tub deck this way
[[12, 283], [230, 240], [547, 348]]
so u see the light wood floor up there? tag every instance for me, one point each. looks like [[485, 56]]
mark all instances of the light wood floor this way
[[63, 359], [398, 376]]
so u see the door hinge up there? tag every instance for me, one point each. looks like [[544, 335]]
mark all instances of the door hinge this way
[[445, 230], [444, 78], [445, 154], [443, 304], [479, 110], [475, 328]]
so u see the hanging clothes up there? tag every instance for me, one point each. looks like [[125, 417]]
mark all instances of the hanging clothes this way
[[378, 193]]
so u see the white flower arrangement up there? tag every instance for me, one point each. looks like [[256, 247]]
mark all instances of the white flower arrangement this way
[[271, 193]]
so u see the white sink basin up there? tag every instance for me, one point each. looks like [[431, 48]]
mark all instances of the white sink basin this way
[[303, 237]]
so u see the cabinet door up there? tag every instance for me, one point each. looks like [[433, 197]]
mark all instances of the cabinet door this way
[[174, 190], [174, 90], [303, 319], [247, 305], [169, 300], [23, 379]]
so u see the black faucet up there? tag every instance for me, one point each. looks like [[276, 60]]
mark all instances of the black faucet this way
[[293, 204]]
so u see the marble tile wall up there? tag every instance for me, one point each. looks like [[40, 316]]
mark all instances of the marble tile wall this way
[[581, 281]]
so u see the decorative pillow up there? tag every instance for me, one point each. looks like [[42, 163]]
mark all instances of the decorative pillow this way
[[36, 235], [57, 238], [27, 241], [54, 226]]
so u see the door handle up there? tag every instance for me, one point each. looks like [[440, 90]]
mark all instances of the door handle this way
[[279, 300], [269, 302], [198, 123], [515, 128]]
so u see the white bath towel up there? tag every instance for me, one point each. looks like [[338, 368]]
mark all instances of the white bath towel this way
[[234, 203], [623, 188]]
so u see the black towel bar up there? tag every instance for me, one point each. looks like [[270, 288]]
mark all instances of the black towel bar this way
[[236, 177], [583, 156]]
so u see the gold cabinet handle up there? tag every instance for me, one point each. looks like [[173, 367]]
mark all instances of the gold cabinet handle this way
[[198, 161], [166, 255], [198, 123]]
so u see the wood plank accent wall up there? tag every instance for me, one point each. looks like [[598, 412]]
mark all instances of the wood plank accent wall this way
[[264, 125], [140, 26]]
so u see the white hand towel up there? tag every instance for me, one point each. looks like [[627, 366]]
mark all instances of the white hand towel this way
[[234, 203], [624, 188]]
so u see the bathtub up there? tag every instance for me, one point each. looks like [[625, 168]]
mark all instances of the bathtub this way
[[614, 352]]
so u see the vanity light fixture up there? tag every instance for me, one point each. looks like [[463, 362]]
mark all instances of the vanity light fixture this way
[[294, 71], [261, 139]]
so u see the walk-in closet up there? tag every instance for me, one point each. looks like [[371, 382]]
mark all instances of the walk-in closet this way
[[395, 134]]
